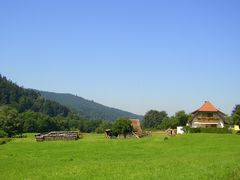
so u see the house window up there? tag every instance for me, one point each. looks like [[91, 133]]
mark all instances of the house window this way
[[211, 125], [209, 114]]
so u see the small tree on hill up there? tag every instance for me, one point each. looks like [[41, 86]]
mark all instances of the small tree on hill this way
[[122, 126]]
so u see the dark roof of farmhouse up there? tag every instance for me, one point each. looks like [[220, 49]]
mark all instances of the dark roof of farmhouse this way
[[207, 107]]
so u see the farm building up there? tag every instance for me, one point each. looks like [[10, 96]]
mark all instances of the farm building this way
[[207, 116]]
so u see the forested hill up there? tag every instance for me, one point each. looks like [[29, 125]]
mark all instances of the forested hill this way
[[25, 99], [88, 109], [25, 110]]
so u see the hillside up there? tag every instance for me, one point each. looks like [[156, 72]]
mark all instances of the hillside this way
[[86, 108], [24, 99], [25, 110]]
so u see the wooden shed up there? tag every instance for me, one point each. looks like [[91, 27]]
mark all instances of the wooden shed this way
[[58, 135]]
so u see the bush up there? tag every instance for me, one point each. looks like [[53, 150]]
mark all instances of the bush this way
[[20, 136], [99, 130], [3, 134], [237, 132], [165, 138], [194, 130], [186, 129], [103, 126], [210, 130], [122, 126], [4, 141], [216, 130]]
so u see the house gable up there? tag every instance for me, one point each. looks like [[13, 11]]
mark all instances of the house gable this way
[[207, 116]]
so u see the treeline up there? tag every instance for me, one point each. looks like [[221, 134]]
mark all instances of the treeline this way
[[25, 99], [154, 119], [13, 123], [24, 110]]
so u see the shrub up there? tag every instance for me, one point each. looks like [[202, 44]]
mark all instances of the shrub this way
[[165, 138], [216, 130], [3, 134], [186, 129], [4, 141], [238, 132], [194, 130], [210, 130], [102, 127], [99, 130], [122, 126]]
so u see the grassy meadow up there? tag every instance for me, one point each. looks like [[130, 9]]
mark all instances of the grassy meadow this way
[[192, 156]]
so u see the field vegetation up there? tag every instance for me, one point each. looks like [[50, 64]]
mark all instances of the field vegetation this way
[[190, 156]]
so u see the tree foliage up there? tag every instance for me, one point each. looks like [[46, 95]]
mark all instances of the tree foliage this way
[[153, 118], [87, 108], [181, 118], [24, 110], [160, 119], [236, 115], [103, 126], [122, 126], [9, 121], [168, 122], [25, 99]]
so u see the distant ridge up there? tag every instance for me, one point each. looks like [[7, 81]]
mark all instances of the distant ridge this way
[[86, 108]]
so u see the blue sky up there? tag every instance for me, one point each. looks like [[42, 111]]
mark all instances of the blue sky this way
[[134, 55]]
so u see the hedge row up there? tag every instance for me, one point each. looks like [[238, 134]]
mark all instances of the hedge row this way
[[210, 130]]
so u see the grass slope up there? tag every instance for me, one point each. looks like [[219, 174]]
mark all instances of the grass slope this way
[[195, 156], [86, 108]]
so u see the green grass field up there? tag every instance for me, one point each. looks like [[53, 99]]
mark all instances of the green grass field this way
[[192, 156]]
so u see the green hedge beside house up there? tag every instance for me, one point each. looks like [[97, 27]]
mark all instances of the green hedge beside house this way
[[209, 130]]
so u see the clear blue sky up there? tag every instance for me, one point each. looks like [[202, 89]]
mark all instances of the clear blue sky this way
[[130, 54]]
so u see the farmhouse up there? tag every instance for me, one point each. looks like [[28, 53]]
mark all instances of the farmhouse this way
[[207, 116]]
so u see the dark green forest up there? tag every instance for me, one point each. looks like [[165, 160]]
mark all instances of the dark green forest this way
[[25, 110], [88, 109], [25, 99]]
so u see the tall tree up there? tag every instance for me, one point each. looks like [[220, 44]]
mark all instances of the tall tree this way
[[153, 118], [9, 121], [236, 115], [182, 118], [30, 121], [169, 122]]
